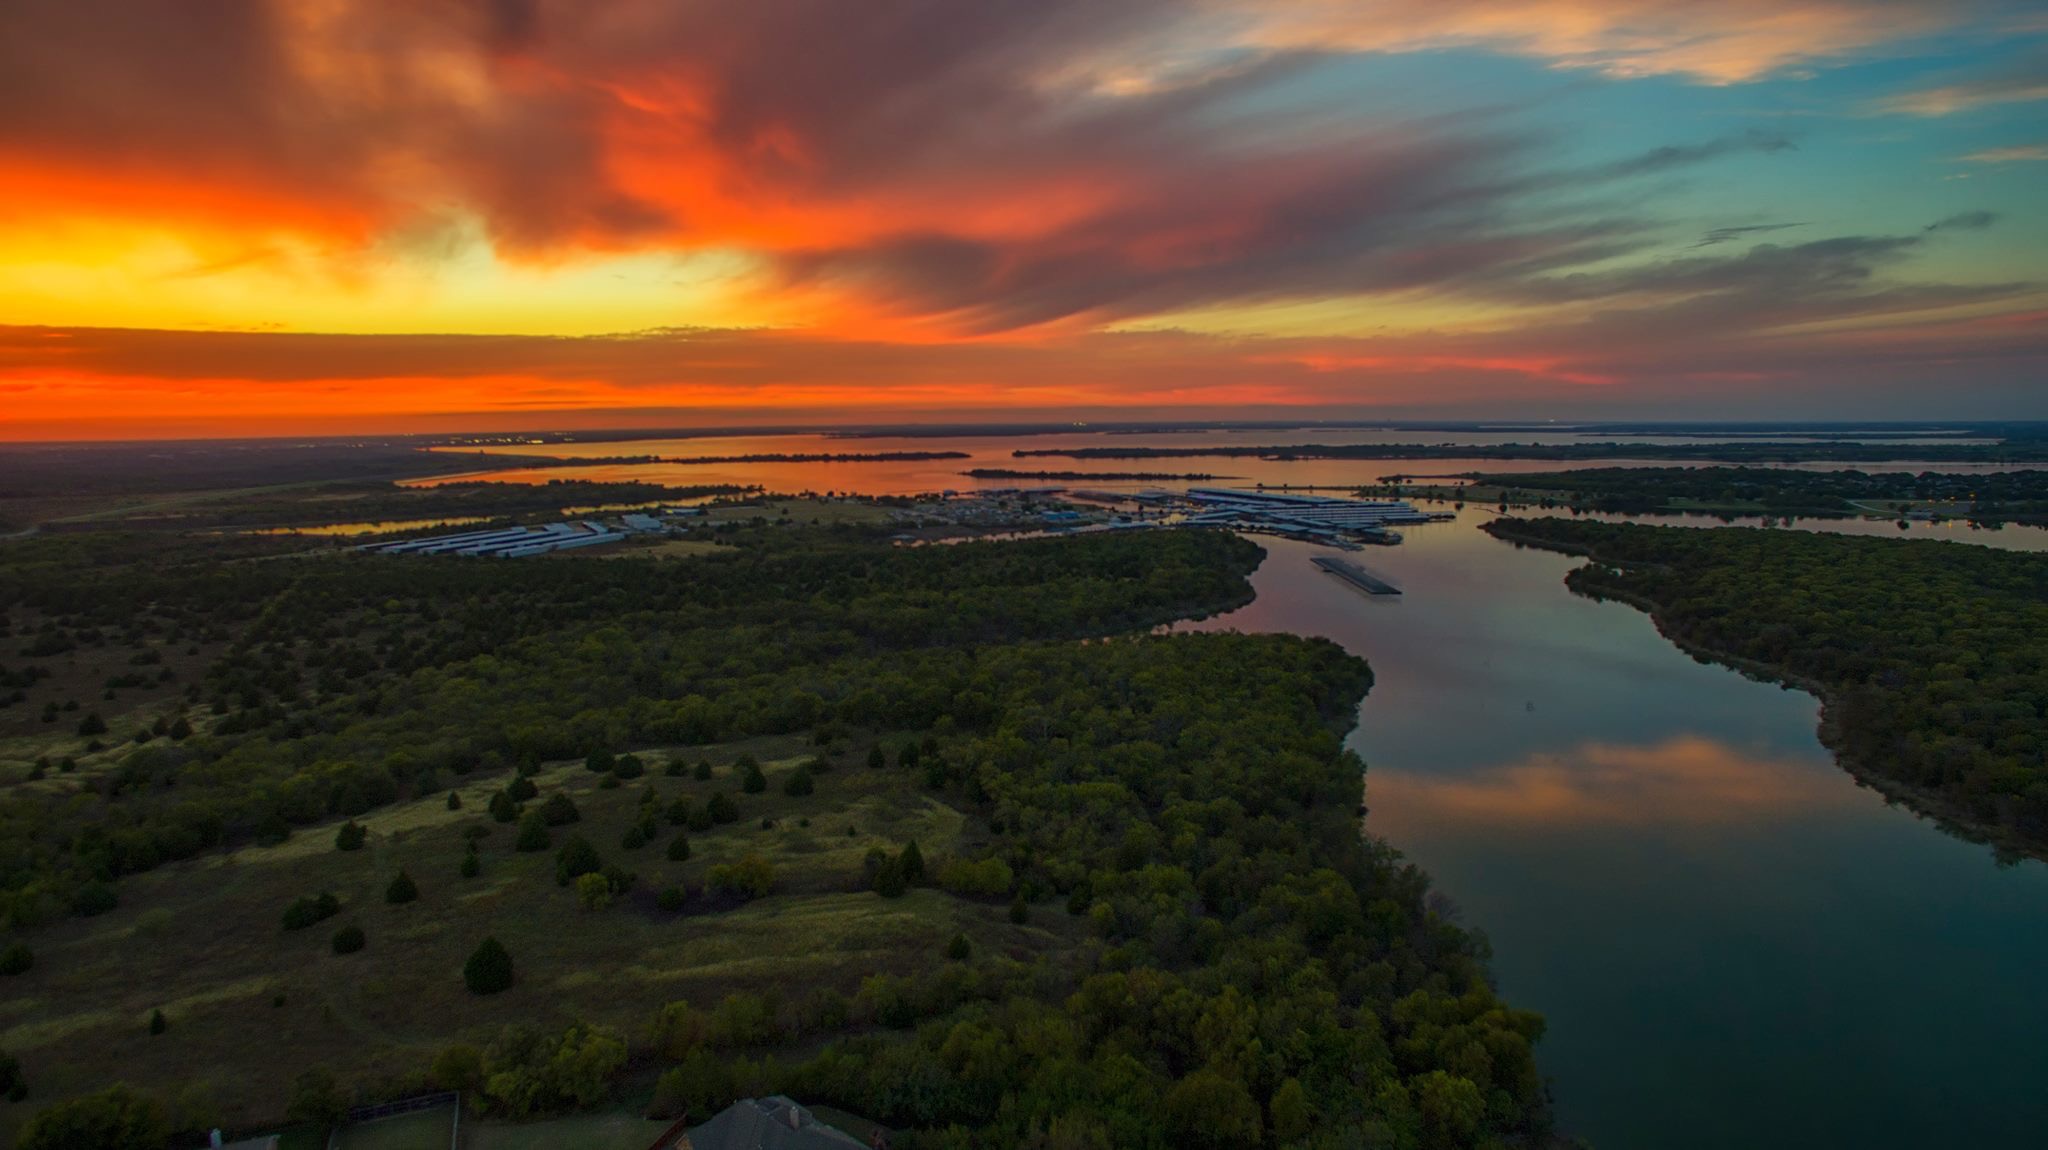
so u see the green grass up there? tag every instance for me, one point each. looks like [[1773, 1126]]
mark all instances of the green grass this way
[[612, 1131], [202, 940], [421, 1130]]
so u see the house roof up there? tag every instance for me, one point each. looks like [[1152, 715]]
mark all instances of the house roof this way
[[772, 1123]]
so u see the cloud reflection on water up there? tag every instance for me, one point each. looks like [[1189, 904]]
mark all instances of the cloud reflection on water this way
[[1687, 780]]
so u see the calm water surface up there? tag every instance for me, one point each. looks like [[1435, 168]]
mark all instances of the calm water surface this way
[[1734, 944]]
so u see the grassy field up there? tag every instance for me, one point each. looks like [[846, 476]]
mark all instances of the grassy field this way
[[251, 1005], [422, 1130]]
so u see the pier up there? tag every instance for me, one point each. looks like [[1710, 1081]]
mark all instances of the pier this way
[[1356, 576]]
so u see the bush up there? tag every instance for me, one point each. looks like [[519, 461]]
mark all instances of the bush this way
[[877, 759], [95, 898], [912, 862], [700, 818], [521, 789], [679, 812], [560, 810], [593, 891], [157, 1022], [116, 1116], [959, 949], [679, 849], [13, 1086], [1020, 911], [722, 809], [674, 769], [92, 724], [987, 878], [16, 959], [349, 939], [317, 1098], [799, 783], [702, 773], [533, 833], [884, 874], [628, 767], [576, 859], [599, 762], [670, 899], [751, 877], [633, 839], [307, 910], [471, 865], [350, 837], [504, 808], [752, 781], [489, 969], [454, 801], [459, 1067], [402, 889]]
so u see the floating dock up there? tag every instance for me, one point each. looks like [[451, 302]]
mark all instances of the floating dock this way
[[1356, 576]]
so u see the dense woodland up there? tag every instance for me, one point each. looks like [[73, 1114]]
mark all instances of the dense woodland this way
[[1241, 968], [1932, 657], [2020, 496]]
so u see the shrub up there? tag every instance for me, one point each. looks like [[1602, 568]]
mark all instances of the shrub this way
[[157, 1022], [504, 808], [533, 833], [1020, 911], [722, 809], [959, 949], [471, 865], [884, 874], [984, 879], [700, 818], [679, 812], [877, 759], [599, 762], [674, 769], [751, 877], [349, 939], [489, 969], [628, 767], [92, 724], [13, 1086], [752, 781], [317, 1098], [799, 783], [560, 810], [633, 839], [116, 1116], [350, 837], [95, 898], [679, 849], [16, 959], [907, 757], [593, 892], [402, 889], [521, 789], [309, 909], [912, 862], [702, 772], [454, 801], [576, 859], [459, 1067], [670, 899]]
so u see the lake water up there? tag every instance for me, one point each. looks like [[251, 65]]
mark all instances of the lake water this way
[[1734, 944]]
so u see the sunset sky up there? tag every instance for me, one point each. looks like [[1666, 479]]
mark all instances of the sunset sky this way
[[234, 217]]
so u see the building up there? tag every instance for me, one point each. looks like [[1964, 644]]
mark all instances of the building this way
[[772, 1123]]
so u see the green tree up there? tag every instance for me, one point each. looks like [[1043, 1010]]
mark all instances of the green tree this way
[[533, 833], [722, 809], [454, 800], [877, 758], [504, 808], [115, 1117], [350, 837], [560, 810], [349, 939], [459, 1067], [317, 1098], [599, 762], [702, 772], [1208, 1111], [679, 848], [959, 949], [92, 724], [489, 969], [157, 1022], [94, 898], [1292, 1119], [912, 863], [576, 859], [471, 865], [401, 889], [749, 878], [752, 781], [799, 783]]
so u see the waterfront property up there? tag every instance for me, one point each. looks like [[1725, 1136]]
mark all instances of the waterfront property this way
[[508, 543], [1316, 518]]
